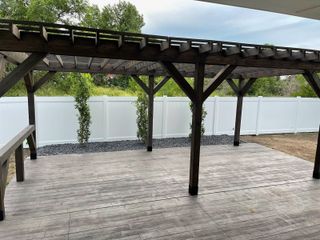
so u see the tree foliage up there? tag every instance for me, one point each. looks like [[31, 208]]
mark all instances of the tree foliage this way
[[54, 11], [204, 114], [304, 89], [271, 86], [122, 16]]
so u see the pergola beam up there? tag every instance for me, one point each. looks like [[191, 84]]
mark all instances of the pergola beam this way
[[244, 90], [234, 87], [314, 81], [217, 80], [179, 79], [141, 83], [19, 72], [43, 80], [161, 84]]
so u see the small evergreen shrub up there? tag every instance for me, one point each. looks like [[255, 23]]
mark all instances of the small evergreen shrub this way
[[204, 114], [142, 117], [82, 95]]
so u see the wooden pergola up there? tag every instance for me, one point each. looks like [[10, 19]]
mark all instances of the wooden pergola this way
[[61, 48]]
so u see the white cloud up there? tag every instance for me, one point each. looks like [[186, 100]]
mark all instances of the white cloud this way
[[189, 18]]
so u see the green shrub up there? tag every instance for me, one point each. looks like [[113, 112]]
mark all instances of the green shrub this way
[[142, 117], [82, 95], [204, 114]]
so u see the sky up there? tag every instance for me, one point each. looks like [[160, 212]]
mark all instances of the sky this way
[[194, 19]]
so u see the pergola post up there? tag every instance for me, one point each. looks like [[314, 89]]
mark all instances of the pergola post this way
[[32, 121], [150, 90], [31, 111], [316, 170], [150, 112], [237, 127], [240, 91], [197, 95], [196, 128], [314, 81]]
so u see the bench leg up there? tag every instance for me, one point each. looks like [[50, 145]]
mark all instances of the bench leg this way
[[19, 164]]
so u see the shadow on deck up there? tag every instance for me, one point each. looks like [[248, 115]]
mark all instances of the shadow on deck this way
[[249, 192]]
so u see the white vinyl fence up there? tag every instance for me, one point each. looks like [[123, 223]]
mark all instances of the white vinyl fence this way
[[114, 118]]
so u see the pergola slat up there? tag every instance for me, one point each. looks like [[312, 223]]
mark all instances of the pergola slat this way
[[15, 30], [58, 57]]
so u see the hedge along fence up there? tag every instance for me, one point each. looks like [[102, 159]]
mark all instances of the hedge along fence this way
[[114, 118]]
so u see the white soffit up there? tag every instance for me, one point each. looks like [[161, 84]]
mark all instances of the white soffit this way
[[300, 8]]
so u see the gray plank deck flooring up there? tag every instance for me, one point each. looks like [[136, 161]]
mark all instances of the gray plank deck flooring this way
[[248, 192]]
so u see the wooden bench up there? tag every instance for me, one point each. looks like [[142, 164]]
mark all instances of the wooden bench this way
[[15, 145]]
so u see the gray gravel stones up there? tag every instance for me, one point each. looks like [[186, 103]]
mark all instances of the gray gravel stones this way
[[129, 145]]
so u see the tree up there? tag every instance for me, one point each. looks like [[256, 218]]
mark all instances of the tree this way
[[122, 16], [267, 86], [81, 97], [204, 114], [54, 11], [142, 116]]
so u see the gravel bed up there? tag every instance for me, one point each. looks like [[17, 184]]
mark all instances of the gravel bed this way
[[129, 145]]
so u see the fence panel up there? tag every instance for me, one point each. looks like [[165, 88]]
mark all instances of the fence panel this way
[[114, 118]]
